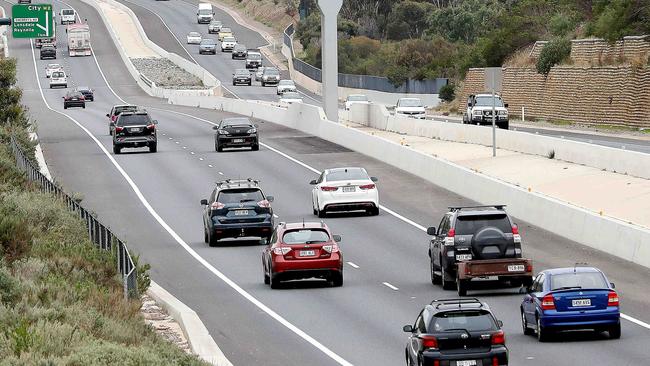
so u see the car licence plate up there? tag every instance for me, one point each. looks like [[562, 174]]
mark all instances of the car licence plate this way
[[516, 268], [135, 130], [466, 363], [581, 302], [463, 257], [307, 253], [241, 213], [237, 140], [349, 189]]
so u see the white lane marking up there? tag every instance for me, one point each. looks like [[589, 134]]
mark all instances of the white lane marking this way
[[201, 159], [353, 265], [328, 352], [178, 142], [391, 212], [171, 138], [164, 134], [192, 152], [390, 286], [275, 216], [210, 165]]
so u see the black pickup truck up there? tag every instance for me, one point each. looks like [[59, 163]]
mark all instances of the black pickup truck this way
[[477, 243]]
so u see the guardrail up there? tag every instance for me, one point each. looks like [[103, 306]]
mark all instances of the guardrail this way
[[98, 233], [369, 82]]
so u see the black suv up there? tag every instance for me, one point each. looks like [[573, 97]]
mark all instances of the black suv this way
[[242, 76], [236, 209], [236, 132], [239, 52], [471, 233], [134, 129], [47, 51], [456, 332]]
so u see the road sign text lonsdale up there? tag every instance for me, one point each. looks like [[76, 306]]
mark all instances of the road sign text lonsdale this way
[[32, 21]]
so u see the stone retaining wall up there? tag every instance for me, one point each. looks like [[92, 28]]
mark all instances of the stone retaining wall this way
[[598, 51]]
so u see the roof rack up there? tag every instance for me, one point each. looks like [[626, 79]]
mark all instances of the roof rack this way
[[238, 181], [458, 208], [457, 301]]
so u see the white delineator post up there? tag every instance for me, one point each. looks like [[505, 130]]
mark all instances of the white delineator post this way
[[329, 10]]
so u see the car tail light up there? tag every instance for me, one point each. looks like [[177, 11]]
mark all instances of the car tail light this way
[[333, 248], [119, 129], [498, 338], [217, 206], [367, 186], [281, 250], [548, 303], [429, 341], [328, 189], [495, 361], [151, 126], [449, 239], [515, 234], [82, 98], [264, 204], [436, 363], [529, 267], [612, 298]]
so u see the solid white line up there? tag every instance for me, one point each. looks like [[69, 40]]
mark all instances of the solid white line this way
[[201, 159], [389, 211], [353, 265], [340, 360], [192, 152], [390, 286]]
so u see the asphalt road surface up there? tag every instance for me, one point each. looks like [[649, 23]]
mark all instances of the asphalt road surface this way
[[152, 201]]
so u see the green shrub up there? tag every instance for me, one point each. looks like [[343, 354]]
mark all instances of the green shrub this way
[[552, 54], [447, 93]]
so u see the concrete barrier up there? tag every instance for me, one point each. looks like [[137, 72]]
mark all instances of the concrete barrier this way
[[602, 157], [606, 234]]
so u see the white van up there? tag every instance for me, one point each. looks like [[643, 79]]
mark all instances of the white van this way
[[204, 14], [68, 16]]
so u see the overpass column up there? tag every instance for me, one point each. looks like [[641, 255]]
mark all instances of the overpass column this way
[[330, 70]]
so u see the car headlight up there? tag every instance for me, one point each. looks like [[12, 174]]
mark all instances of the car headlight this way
[[265, 77], [224, 132], [252, 130], [477, 113], [503, 113]]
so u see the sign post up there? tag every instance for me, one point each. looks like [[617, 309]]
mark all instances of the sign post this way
[[32, 21], [493, 78]]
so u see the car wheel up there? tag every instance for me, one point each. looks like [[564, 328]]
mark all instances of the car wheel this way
[[255, 147], [274, 282], [447, 282], [320, 213], [205, 235], [435, 278], [153, 147], [213, 241], [65, 106], [524, 324], [615, 331], [217, 147], [461, 286], [336, 279], [267, 279], [249, 83], [506, 126], [374, 211], [83, 106], [117, 149], [542, 334], [263, 84]]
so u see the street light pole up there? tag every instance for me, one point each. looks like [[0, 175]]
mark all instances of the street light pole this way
[[494, 125]]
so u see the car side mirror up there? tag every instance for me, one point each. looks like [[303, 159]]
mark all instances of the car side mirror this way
[[612, 284], [215, 127], [408, 329], [108, 115], [337, 238], [204, 202], [431, 230], [155, 121], [270, 198], [469, 104], [313, 182], [374, 179], [500, 323], [505, 105], [264, 241]]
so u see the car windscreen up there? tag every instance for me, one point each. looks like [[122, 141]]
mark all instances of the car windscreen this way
[[358, 98], [205, 11], [271, 72], [229, 39], [235, 122], [58, 74], [215, 22], [68, 12], [119, 110], [242, 73], [194, 34], [134, 120], [240, 48], [410, 103], [74, 95], [82, 89], [208, 42], [486, 101], [305, 236], [469, 320], [470, 224], [578, 279], [347, 174], [286, 82], [240, 196], [53, 66], [291, 95], [254, 56]]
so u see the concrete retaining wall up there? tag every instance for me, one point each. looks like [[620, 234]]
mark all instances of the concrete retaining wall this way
[[615, 160], [609, 235]]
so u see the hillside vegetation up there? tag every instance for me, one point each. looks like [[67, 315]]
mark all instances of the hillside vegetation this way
[[423, 39], [61, 299]]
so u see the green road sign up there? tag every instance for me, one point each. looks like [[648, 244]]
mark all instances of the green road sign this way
[[32, 21]]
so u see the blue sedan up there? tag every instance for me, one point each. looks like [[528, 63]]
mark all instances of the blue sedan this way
[[571, 299]]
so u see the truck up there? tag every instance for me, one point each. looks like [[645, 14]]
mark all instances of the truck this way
[[204, 14], [78, 40], [477, 243], [39, 42]]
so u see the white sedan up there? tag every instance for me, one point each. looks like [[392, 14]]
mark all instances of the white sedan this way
[[355, 99], [194, 38], [286, 86], [51, 68], [344, 189], [289, 98]]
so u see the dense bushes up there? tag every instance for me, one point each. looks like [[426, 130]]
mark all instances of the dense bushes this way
[[552, 54], [428, 39], [61, 298], [447, 93]]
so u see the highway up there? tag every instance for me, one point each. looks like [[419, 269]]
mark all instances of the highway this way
[[152, 200]]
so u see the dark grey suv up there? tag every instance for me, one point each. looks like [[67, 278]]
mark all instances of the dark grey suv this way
[[236, 132], [135, 129]]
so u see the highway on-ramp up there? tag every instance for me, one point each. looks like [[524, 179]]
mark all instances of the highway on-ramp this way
[[152, 200]]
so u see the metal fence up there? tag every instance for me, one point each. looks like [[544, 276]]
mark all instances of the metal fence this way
[[379, 83], [99, 234]]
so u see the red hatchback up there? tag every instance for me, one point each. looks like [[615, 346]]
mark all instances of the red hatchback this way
[[302, 250]]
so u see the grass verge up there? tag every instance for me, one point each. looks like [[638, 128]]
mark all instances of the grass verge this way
[[61, 299]]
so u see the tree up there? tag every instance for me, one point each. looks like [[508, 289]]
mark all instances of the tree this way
[[447, 93], [409, 20], [465, 21], [552, 54]]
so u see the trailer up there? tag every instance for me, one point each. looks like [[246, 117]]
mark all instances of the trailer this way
[[78, 40], [39, 42]]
